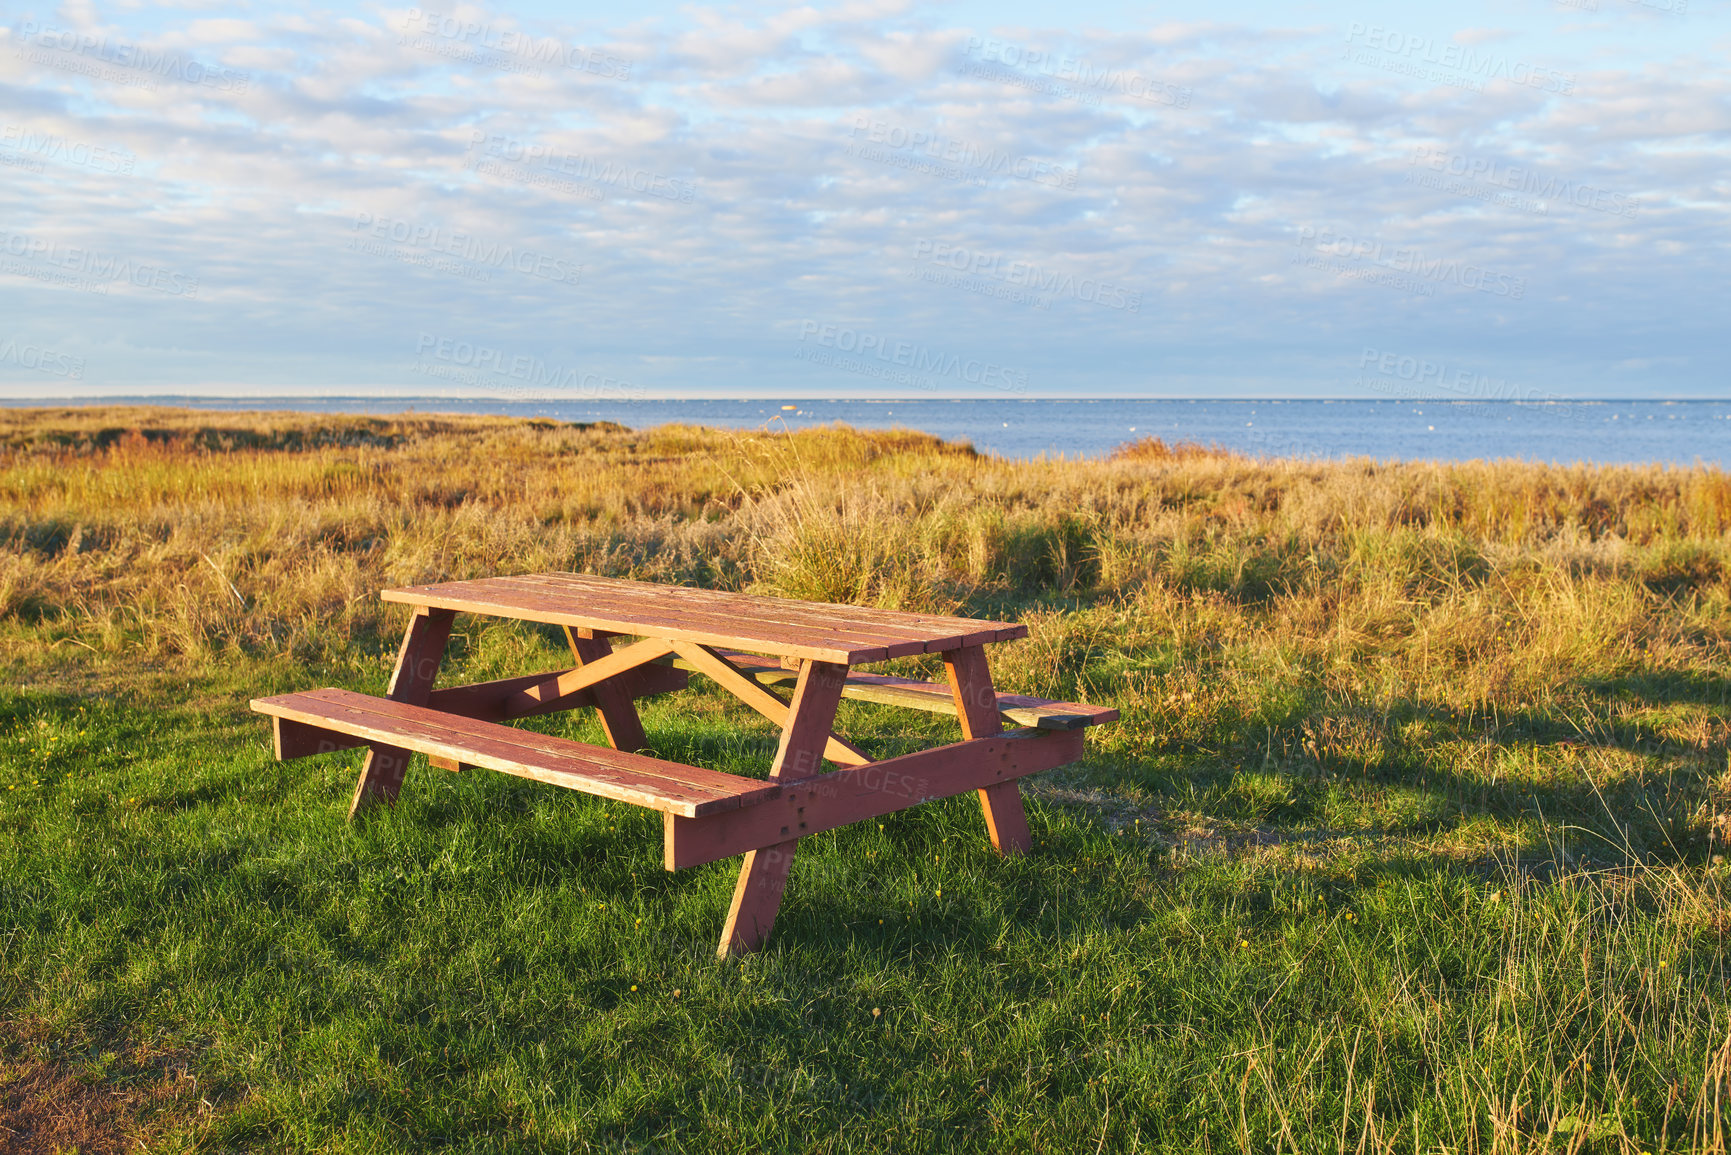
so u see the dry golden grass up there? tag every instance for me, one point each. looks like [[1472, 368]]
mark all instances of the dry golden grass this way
[[151, 528], [1346, 678]]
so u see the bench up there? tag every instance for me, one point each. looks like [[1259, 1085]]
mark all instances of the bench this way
[[708, 815], [318, 721], [931, 697]]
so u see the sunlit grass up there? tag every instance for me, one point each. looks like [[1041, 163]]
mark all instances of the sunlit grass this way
[[1409, 837]]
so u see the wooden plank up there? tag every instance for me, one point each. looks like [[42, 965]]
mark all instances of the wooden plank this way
[[418, 660], [977, 708], [763, 875], [894, 629], [672, 778], [494, 596], [486, 700], [706, 661], [500, 600], [813, 805], [636, 778], [592, 769], [618, 712], [1016, 709], [930, 626], [669, 605], [932, 697], [602, 663], [884, 626], [347, 709], [668, 618], [722, 612]]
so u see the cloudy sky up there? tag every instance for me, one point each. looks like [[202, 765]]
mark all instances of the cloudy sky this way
[[870, 199]]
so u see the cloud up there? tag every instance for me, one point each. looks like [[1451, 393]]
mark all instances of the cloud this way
[[309, 192]]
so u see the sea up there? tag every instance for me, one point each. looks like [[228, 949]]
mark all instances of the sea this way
[[1564, 432]]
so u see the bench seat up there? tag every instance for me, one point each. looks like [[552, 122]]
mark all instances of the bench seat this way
[[320, 720], [932, 697]]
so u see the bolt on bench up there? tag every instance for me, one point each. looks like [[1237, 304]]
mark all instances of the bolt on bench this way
[[706, 815]]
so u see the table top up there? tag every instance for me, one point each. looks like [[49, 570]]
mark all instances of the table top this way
[[794, 629]]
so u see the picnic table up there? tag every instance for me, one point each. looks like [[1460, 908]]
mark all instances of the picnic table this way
[[632, 640]]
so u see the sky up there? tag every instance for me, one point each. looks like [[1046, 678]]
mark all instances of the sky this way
[[866, 199]]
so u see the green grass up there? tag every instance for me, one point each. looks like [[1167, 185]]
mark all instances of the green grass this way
[[459, 973], [1409, 838]]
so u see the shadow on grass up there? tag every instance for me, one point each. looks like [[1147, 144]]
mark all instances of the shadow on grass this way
[[1663, 688], [1651, 816]]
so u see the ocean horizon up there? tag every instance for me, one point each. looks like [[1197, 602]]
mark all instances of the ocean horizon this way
[[1674, 432]]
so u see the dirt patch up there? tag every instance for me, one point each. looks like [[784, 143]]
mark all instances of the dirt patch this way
[[93, 1102]]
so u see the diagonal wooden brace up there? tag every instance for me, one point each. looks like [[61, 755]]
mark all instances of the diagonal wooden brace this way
[[606, 664], [741, 685]]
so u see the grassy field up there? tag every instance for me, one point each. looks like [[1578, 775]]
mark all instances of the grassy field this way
[[1409, 839]]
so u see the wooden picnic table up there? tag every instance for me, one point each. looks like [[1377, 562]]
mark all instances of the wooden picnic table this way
[[748, 645]]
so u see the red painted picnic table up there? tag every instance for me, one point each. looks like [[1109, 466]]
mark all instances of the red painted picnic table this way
[[748, 645]]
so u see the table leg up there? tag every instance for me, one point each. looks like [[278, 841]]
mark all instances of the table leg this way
[[977, 708], [757, 894], [756, 899], [412, 681], [618, 710]]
